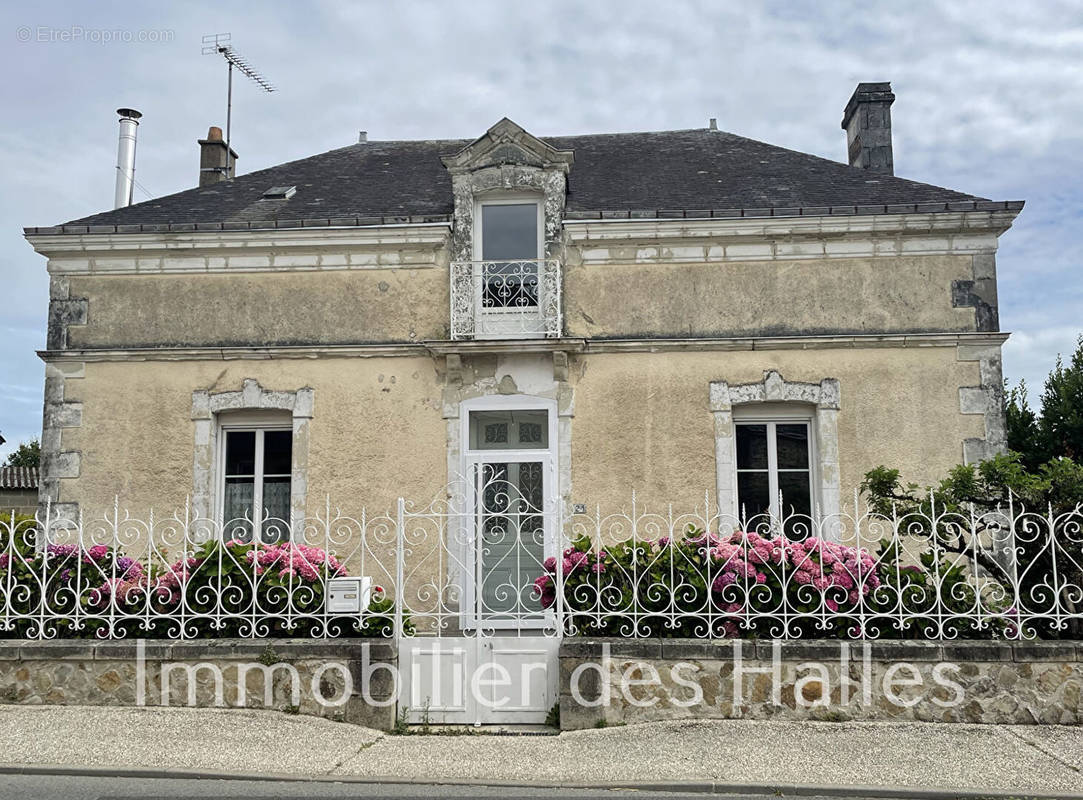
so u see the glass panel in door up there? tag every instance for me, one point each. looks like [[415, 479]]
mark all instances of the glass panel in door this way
[[511, 542]]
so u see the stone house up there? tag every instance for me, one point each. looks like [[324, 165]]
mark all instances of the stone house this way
[[674, 312]]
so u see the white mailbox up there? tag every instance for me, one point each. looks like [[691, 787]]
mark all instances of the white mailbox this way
[[348, 595]]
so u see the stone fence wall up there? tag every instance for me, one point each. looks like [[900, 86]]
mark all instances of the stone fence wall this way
[[614, 681], [338, 678], [602, 681]]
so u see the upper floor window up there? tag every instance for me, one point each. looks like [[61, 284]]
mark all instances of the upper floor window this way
[[510, 246], [509, 289]]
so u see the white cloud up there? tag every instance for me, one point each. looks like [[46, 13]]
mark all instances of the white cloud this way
[[990, 101]]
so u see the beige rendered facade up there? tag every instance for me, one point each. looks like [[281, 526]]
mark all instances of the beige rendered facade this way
[[875, 327], [645, 341]]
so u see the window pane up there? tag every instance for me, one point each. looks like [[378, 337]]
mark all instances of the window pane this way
[[509, 430], [531, 432], [509, 232], [792, 443], [277, 449], [794, 487], [753, 495], [276, 509], [751, 447], [238, 499], [240, 452]]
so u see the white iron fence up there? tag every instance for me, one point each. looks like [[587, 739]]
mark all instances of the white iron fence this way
[[491, 560]]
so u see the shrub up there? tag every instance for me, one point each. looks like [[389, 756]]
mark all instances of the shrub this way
[[220, 589], [748, 584], [1032, 517], [939, 599]]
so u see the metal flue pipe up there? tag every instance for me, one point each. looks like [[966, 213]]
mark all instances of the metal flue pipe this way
[[129, 124]]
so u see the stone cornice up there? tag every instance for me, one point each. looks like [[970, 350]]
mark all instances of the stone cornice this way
[[381, 220], [757, 238], [192, 242], [799, 211], [821, 342], [503, 346]]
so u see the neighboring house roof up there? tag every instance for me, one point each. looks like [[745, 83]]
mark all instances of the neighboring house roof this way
[[698, 172], [18, 477]]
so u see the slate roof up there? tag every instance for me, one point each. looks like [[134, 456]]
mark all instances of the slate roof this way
[[18, 477], [671, 173]]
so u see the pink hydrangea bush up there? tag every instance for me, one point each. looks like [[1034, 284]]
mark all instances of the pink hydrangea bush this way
[[61, 578], [249, 575], [290, 560], [219, 589], [710, 584]]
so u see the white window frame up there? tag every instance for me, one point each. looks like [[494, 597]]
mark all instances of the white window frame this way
[[508, 199], [505, 323], [772, 415], [470, 458], [258, 422]]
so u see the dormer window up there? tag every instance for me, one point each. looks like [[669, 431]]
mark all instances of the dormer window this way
[[509, 190]]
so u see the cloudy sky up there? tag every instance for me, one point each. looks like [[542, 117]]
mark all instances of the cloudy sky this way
[[989, 101]]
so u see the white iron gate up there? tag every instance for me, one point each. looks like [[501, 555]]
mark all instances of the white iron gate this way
[[480, 648]]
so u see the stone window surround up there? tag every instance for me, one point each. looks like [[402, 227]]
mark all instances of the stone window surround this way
[[822, 401], [252, 397]]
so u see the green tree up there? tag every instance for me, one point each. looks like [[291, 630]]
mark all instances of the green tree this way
[[1024, 434], [27, 454], [1061, 421]]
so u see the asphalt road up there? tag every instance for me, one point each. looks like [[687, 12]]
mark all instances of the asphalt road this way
[[31, 787]]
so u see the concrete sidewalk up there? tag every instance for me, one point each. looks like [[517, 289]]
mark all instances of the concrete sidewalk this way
[[987, 758]]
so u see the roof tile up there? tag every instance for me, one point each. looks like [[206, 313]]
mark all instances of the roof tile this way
[[18, 477], [629, 173]]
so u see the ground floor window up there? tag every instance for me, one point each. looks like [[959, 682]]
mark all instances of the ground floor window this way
[[774, 472], [256, 476]]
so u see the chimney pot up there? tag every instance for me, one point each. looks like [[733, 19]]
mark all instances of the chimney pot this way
[[867, 122], [713, 124], [217, 163], [362, 137]]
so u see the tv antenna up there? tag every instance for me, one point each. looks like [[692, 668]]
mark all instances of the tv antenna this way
[[219, 44]]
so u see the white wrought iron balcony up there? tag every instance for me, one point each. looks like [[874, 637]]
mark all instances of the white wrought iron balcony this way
[[506, 299]]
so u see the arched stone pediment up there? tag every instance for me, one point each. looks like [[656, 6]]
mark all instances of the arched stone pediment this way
[[506, 143]]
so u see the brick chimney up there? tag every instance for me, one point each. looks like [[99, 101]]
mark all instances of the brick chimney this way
[[867, 122], [216, 162]]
